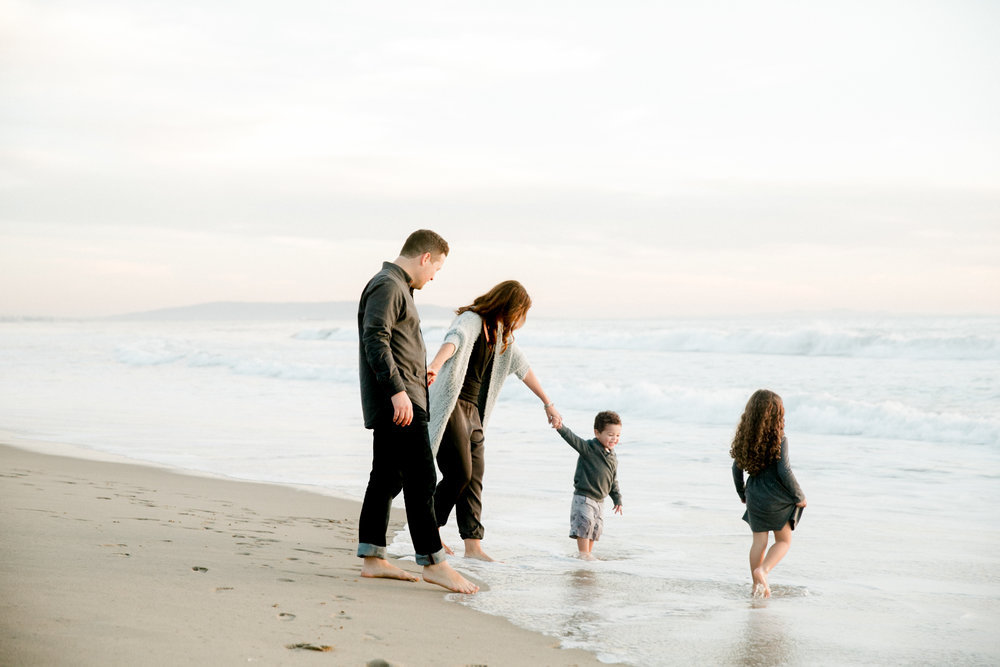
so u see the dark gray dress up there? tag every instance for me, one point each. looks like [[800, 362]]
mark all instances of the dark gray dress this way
[[770, 495]]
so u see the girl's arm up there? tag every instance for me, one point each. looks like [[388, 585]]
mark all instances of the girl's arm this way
[[444, 354], [787, 477], [738, 481], [531, 381]]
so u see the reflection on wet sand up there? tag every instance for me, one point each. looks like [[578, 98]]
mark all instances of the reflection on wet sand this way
[[582, 587], [764, 640]]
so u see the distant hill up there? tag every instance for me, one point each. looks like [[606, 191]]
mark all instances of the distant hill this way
[[255, 311]]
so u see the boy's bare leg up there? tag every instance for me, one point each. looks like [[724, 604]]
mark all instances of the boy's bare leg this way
[[585, 546], [380, 568], [474, 549], [444, 575]]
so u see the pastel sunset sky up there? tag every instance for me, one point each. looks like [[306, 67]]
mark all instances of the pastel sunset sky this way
[[621, 159]]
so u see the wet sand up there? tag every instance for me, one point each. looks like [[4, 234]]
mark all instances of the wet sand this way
[[105, 563]]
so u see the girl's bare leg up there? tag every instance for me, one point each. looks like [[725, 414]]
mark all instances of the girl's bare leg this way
[[782, 543], [757, 549]]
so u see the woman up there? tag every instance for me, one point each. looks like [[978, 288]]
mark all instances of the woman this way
[[476, 357]]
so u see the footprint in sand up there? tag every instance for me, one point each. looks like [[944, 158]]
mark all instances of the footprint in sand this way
[[198, 568], [285, 616]]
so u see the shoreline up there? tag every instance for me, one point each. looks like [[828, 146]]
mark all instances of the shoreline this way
[[113, 563]]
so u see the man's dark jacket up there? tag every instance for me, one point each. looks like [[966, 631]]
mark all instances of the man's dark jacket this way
[[392, 354]]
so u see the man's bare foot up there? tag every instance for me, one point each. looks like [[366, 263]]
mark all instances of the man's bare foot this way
[[760, 587], [380, 568], [444, 575], [474, 549]]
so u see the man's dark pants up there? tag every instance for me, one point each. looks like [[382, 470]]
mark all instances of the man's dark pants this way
[[401, 461]]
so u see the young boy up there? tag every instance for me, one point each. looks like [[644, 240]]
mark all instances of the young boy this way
[[596, 478]]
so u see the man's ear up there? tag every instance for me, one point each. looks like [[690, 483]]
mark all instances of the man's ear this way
[[425, 259]]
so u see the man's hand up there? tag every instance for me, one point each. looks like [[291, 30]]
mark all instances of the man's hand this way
[[402, 409]]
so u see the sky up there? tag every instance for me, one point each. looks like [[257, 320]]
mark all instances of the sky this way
[[622, 160]]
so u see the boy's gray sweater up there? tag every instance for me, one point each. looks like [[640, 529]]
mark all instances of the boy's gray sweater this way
[[596, 470]]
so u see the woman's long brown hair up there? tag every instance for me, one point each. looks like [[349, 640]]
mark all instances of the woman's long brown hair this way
[[757, 442], [501, 309]]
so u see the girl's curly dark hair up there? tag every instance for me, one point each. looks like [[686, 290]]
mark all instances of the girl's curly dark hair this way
[[757, 442], [501, 309]]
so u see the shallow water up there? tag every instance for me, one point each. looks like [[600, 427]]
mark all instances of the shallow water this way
[[894, 429]]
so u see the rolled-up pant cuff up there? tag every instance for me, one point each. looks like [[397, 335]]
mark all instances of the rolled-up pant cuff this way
[[371, 551], [432, 559]]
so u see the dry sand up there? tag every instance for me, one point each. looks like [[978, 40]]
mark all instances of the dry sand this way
[[114, 564]]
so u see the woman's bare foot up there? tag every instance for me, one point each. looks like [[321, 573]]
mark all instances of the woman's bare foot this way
[[444, 575], [474, 549], [380, 568], [760, 587]]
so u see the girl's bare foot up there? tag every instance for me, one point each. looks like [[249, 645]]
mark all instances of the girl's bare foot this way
[[444, 575], [760, 587], [380, 568]]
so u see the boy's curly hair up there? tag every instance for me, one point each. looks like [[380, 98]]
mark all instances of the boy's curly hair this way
[[757, 442], [604, 418]]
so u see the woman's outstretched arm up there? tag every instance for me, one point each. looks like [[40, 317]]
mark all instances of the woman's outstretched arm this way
[[531, 381], [444, 354]]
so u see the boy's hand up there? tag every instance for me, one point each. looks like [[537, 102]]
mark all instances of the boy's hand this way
[[618, 509], [431, 375]]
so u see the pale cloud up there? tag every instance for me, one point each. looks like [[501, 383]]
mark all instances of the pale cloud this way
[[160, 153]]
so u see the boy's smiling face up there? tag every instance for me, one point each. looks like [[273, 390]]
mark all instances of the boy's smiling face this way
[[609, 436]]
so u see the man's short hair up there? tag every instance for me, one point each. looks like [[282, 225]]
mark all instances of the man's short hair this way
[[424, 240], [605, 418]]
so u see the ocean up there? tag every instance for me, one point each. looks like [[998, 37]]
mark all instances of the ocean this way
[[893, 425]]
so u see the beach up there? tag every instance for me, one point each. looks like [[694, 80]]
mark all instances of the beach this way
[[893, 432], [106, 563]]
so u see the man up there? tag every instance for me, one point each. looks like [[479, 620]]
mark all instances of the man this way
[[393, 369]]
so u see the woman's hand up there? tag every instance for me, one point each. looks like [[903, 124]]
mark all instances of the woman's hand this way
[[553, 416]]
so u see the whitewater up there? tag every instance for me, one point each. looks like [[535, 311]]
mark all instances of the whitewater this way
[[893, 424]]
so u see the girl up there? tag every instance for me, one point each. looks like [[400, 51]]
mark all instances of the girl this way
[[476, 357], [773, 497]]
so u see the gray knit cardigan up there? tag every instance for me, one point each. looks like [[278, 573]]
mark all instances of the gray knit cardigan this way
[[464, 331]]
